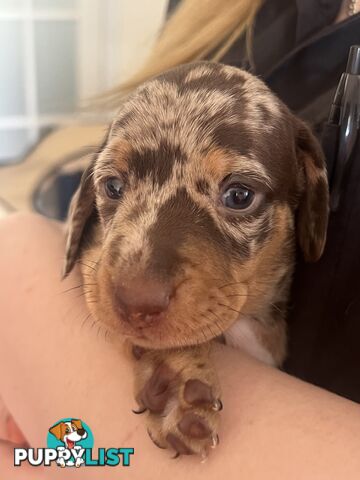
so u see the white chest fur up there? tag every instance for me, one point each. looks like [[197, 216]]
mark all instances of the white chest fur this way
[[243, 335]]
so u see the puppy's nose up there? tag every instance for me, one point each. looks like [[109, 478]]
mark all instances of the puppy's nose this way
[[143, 301], [80, 431]]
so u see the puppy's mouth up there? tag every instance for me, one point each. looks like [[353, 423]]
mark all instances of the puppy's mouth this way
[[182, 325], [145, 332], [70, 444], [152, 315]]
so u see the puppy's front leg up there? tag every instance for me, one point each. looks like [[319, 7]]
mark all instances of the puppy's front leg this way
[[180, 393]]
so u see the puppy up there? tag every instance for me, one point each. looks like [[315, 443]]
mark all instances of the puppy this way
[[185, 225], [69, 433]]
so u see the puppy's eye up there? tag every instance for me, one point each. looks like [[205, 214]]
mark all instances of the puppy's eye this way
[[237, 197], [67, 430], [114, 187]]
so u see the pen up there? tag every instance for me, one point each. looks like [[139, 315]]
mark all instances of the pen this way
[[342, 130]]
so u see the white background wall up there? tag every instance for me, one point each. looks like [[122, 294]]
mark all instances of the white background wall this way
[[53, 53], [118, 34]]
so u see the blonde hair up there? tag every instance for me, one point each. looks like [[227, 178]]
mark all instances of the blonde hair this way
[[198, 29]]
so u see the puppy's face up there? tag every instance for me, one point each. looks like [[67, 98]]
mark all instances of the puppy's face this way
[[186, 218], [69, 432]]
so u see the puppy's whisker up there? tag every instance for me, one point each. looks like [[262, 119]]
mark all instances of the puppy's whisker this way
[[211, 332], [201, 329], [240, 295], [216, 323], [210, 322], [85, 292], [85, 320], [99, 330], [72, 288], [94, 264], [204, 316], [101, 326], [276, 307], [230, 284], [215, 315], [219, 328], [79, 286], [229, 308], [252, 281], [85, 265], [204, 335]]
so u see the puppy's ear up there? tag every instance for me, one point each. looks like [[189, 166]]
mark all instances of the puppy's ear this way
[[81, 208], [313, 209], [56, 430], [77, 423]]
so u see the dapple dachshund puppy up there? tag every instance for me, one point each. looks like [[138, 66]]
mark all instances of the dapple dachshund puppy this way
[[185, 224]]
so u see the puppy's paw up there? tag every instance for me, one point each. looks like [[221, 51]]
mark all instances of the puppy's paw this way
[[180, 393]]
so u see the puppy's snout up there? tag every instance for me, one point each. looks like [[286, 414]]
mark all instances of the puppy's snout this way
[[143, 301], [81, 432]]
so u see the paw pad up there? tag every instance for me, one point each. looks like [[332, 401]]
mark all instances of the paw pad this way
[[198, 393], [181, 402], [193, 426], [155, 395]]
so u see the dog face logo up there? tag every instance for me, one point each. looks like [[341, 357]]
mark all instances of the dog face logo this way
[[70, 443], [70, 432]]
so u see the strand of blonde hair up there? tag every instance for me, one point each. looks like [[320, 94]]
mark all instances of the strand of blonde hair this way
[[198, 29]]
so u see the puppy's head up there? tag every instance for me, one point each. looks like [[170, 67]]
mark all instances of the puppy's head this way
[[187, 217], [69, 432]]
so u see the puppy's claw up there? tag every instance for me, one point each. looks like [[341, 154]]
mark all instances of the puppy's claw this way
[[177, 454], [215, 441], [154, 441], [138, 412], [204, 456], [217, 405]]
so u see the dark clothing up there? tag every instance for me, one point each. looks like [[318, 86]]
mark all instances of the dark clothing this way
[[280, 27], [300, 53]]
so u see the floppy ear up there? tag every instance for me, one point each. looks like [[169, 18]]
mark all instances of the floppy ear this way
[[313, 208], [77, 423], [81, 208], [56, 430]]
